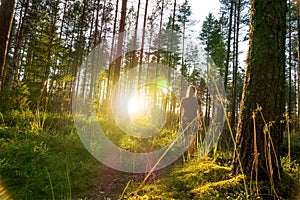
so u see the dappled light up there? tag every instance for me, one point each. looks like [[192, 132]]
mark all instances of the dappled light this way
[[4, 193], [141, 99]]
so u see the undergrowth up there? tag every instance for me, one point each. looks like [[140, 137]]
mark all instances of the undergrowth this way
[[211, 178], [42, 157], [46, 162], [197, 179]]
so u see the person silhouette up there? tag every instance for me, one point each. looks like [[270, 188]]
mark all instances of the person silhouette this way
[[190, 117]]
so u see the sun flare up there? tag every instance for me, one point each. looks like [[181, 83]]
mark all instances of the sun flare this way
[[137, 107]]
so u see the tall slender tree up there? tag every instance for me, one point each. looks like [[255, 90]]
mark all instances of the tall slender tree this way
[[235, 64], [228, 45], [143, 42], [117, 67]]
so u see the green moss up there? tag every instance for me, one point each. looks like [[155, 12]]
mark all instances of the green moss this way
[[218, 189], [194, 180]]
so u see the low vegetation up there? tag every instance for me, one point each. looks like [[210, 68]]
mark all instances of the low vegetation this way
[[208, 179], [42, 157]]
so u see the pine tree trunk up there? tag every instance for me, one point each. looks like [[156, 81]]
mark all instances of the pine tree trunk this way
[[143, 43], [159, 47], [97, 3], [135, 34], [19, 37], [290, 63], [298, 27], [7, 8], [117, 68], [235, 66], [264, 87], [228, 45], [110, 67]]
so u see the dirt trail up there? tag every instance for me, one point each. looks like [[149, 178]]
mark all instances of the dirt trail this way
[[111, 183]]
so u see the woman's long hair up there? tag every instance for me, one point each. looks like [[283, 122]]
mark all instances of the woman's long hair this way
[[191, 91]]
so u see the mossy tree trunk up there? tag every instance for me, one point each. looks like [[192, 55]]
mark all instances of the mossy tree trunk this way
[[260, 131]]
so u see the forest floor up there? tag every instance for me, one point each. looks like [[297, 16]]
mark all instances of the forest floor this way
[[111, 183], [46, 163]]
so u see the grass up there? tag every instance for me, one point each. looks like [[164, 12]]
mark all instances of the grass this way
[[42, 157], [47, 166], [197, 179], [208, 178], [42, 163]]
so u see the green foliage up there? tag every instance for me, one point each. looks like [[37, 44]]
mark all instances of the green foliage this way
[[43, 165], [51, 162], [18, 98], [295, 148], [26, 121], [136, 144], [56, 123], [290, 182], [213, 39]]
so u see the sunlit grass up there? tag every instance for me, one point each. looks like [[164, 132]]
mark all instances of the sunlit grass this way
[[52, 163], [3, 192], [194, 180]]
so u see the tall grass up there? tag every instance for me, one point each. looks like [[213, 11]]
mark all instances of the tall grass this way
[[42, 164], [50, 183], [288, 121]]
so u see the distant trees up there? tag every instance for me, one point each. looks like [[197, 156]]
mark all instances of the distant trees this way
[[212, 38], [50, 40]]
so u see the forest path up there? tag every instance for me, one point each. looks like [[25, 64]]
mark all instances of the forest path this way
[[111, 183]]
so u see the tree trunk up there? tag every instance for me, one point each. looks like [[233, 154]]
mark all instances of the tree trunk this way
[[228, 45], [290, 63], [19, 37], [235, 66], [97, 4], [135, 34], [7, 8], [110, 67], [298, 27], [103, 19], [117, 68], [143, 43], [259, 131]]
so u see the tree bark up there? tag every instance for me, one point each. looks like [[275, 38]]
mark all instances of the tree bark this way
[[290, 64], [143, 43], [7, 8], [298, 27], [117, 68], [235, 65], [19, 36], [260, 131], [228, 45]]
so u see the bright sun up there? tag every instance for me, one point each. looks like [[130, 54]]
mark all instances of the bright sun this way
[[137, 107]]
